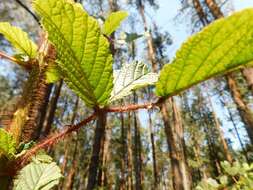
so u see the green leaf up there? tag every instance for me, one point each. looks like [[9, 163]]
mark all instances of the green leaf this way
[[18, 39], [7, 144], [224, 180], [224, 45], [113, 21], [38, 176], [131, 77], [130, 37], [83, 53], [53, 74]]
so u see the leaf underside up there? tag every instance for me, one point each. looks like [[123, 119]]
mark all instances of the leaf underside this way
[[224, 45], [83, 54], [18, 39], [131, 77], [38, 176]]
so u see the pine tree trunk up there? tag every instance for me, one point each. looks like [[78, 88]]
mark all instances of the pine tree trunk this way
[[137, 155], [155, 172], [123, 154], [44, 111], [96, 150], [71, 173], [224, 103], [243, 109], [183, 165], [219, 130], [248, 75], [129, 156], [52, 108], [66, 145], [201, 13], [173, 133]]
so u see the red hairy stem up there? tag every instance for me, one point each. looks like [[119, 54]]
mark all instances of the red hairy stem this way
[[14, 60], [133, 107], [52, 140]]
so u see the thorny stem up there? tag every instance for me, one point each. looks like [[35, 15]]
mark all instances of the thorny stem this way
[[14, 60], [51, 140]]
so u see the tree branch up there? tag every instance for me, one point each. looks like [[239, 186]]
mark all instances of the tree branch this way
[[49, 141], [133, 107], [14, 60], [20, 162]]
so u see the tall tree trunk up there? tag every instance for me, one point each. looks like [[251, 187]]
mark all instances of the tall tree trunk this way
[[96, 150], [129, 155], [151, 50], [184, 174], [155, 172], [219, 130], [103, 171], [52, 108], [230, 115], [44, 110], [174, 137], [67, 147], [248, 75], [123, 154], [73, 170], [137, 151], [201, 13], [242, 107], [245, 112]]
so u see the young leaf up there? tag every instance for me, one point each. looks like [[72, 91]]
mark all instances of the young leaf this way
[[52, 74], [131, 77], [18, 39], [7, 144], [38, 176], [113, 21], [222, 46], [83, 54]]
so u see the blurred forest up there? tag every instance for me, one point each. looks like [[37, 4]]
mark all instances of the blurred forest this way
[[194, 141]]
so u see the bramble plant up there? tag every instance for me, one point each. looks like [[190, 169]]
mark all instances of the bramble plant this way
[[76, 49], [236, 176]]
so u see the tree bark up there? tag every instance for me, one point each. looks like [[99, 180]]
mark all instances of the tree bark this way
[[71, 174], [129, 155], [44, 111], [155, 172], [230, 115], [96, 150], [201, 13], [174, 141], [123, 154], [242, 107], [137, 154], [219, 130], [248, 75], [52, 108]]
